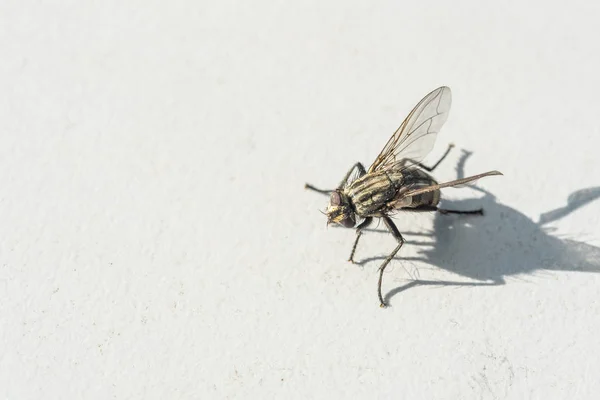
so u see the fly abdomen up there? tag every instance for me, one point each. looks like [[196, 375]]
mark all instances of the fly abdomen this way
[[414, 179], [426, 199]]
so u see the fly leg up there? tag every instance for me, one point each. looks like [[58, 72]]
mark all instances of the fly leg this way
[[361, 172], [429, 169], [359, 229], [311, 187], [479, 211], [396, 233]]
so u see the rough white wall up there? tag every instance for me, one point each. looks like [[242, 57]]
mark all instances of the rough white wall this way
[[156, 241]]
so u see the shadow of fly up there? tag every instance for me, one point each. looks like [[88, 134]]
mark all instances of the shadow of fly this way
[[397, 181]]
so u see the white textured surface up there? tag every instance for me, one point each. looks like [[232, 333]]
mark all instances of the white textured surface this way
[[156, 241]]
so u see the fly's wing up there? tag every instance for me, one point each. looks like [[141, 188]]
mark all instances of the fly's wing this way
[[416, 136], [398, 202]]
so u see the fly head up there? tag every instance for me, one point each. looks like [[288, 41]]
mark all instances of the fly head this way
[[340, 210]]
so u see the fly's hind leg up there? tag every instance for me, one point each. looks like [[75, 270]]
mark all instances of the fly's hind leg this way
[[478, 211], [359, 229], [361, 172], [429, 169], [396, 233]]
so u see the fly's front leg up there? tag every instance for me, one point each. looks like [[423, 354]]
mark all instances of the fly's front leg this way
[[361, 172], [396, 233], [311, 187], [429, 169], [359, 229]]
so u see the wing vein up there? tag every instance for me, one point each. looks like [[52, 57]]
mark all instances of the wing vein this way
[[415, 137]]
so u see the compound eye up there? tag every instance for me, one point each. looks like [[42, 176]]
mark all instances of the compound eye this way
[[335, 199], [348, 222]]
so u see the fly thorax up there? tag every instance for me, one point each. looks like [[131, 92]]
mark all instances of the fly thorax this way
[[340, 210]]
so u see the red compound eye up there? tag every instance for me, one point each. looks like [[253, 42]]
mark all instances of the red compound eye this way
[[348, 222], [335, 199]]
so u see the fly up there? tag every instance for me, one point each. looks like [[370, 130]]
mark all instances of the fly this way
[[397, 180]]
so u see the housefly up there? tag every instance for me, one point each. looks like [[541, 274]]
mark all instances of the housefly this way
[[397, 181]]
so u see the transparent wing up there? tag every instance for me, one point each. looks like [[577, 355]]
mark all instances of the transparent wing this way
[[409, 192], [415, 138]]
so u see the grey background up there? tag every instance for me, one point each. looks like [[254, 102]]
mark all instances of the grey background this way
[[157, 242]]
